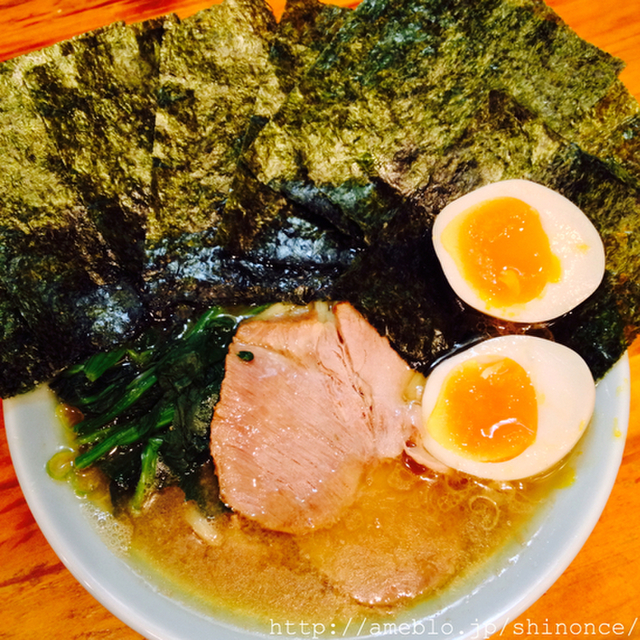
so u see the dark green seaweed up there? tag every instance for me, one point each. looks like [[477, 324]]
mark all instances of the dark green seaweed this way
[[401, 79], [294, 259], [56, 269], [211, 67], [192, 261], [96, 94], [255, 215], [68, 290], [24, 360], [305, 28], [398, 284], [261, 162], [611, 131]]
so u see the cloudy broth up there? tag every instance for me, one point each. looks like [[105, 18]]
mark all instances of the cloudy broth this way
[[406, 538]]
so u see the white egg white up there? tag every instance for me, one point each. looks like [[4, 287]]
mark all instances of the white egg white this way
[[565, 392], [573, 239]]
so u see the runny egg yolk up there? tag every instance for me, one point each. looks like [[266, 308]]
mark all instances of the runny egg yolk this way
[[486, 410], [503, 251]]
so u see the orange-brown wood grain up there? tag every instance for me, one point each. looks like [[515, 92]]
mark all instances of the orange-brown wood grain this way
[[40, 599], [33, 24], [614, 27]]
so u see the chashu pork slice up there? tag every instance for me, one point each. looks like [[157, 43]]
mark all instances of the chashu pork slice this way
[[383, 378], [304, 409]]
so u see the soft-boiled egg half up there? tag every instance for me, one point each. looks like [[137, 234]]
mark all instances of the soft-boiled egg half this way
[[519, 251], [507, 408]]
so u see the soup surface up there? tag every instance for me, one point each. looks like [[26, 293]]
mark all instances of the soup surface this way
[[408, 533]]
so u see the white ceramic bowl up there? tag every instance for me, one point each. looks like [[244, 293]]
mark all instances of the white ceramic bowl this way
[[474, 608]]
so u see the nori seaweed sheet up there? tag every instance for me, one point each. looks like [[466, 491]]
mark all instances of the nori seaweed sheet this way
[[611, 131], [188, 260], [305, 28], [56, 270], [294, 259], [253, 194], [253, 211], [211, 67], [402, 78], [24, 359], [96, 94], [416, 103], [399, 286]]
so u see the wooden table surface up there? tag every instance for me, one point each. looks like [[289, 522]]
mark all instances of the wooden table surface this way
[[40, 600]]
